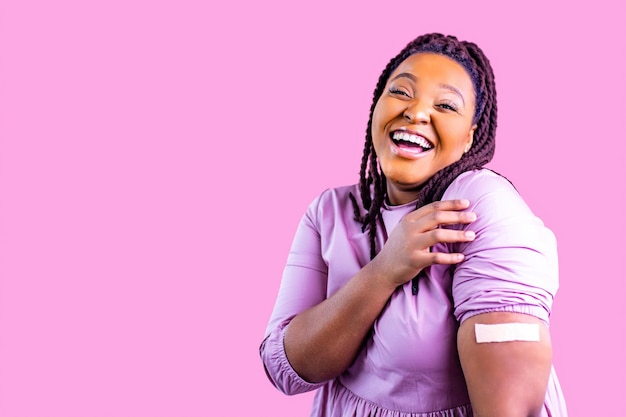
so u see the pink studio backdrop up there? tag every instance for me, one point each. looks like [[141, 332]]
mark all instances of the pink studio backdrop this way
[[156, 157]]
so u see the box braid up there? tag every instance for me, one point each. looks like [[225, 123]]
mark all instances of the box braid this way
[[372, 180]]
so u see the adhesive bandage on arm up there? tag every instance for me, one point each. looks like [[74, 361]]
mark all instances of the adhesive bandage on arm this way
[[507, 332]]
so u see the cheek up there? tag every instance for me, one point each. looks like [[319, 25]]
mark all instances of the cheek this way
[[386, 110], [458, 136], [378, 127], [376, 118]]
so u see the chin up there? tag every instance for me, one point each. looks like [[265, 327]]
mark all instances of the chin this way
[[403, 182]]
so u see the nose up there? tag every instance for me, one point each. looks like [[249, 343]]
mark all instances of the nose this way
[[417, 112]]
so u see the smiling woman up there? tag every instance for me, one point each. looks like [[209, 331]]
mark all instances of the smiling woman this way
[[423, 116], [426, 289]]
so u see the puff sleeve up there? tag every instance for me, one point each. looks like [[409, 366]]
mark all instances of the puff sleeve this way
[[303, 285], [512, 264]]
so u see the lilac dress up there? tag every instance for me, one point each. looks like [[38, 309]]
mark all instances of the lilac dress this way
[[409, 366]]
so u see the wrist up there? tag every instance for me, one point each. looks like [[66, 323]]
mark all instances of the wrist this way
[[385, 279]]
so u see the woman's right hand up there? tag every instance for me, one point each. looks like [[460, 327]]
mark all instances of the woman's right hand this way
[[407, 251]]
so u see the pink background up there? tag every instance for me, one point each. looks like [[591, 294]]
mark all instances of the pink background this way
[[156, 156]]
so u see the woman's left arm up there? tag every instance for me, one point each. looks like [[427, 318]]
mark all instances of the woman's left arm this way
[[505, 379], [509, 275]]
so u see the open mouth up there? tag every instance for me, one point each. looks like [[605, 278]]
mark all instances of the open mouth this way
[[411, 142]]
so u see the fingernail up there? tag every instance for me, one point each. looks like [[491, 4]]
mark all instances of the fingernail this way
[[469, 234], [470, 216]]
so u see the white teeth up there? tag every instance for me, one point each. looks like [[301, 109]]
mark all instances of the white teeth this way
[[407, 137]]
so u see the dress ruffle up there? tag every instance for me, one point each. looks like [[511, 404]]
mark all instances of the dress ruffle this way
[[334, 399]]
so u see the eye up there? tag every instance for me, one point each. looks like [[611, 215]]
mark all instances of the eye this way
[[448, 105], [398, 91]]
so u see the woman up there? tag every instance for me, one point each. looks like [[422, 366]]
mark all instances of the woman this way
[[391, 283]]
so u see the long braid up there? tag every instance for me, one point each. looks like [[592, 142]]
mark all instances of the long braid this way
[[372, 180], [379, 196]]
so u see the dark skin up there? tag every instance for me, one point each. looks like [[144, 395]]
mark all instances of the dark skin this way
[[508, 378], [431, 96]]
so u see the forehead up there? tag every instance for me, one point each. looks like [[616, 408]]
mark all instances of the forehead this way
[[436, 68]]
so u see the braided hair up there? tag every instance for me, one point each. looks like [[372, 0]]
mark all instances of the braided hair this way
[[372, 184]]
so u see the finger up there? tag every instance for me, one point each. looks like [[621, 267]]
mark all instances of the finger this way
[[446, 258], [435, 236], [444, 205], [437, 218], [457, 204]]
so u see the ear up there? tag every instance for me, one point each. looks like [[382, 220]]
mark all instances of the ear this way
[[470, 139]]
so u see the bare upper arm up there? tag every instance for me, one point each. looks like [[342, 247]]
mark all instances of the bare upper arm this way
[[505, 378]]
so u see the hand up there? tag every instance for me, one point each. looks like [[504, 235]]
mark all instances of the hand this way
[[407, 251]]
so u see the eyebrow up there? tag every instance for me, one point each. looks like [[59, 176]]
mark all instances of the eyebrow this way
[[454, 90], [405, 75], [444, 86]]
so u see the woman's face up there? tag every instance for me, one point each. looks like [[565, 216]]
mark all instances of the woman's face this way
[[422, 122]]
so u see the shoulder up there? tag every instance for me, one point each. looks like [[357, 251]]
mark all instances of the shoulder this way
[[479, 182], [488, 191], [330, 225], [335, 200]]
